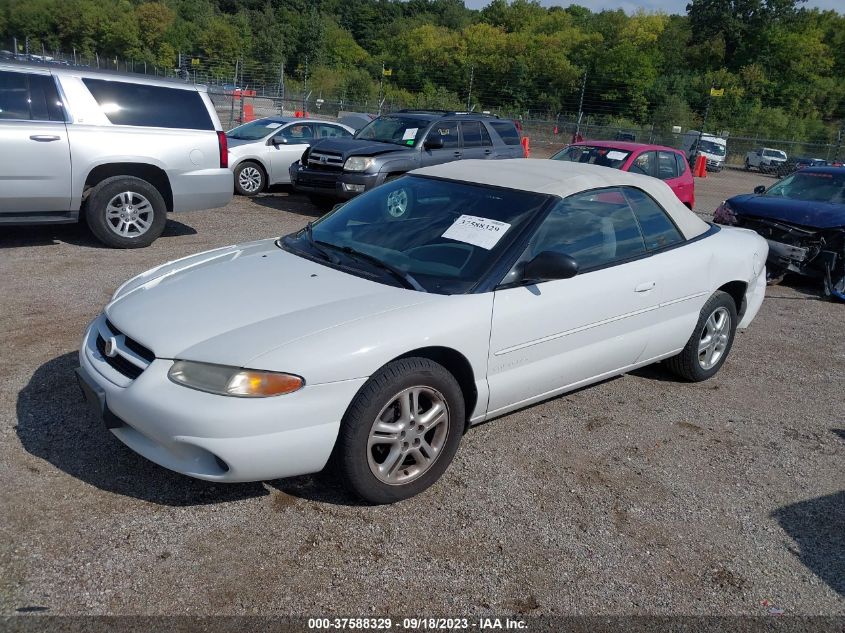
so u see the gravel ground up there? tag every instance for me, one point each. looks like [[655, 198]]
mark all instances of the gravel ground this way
[[639, 495]]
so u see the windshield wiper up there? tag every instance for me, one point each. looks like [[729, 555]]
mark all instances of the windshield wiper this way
[[317, 245], [405, 278]]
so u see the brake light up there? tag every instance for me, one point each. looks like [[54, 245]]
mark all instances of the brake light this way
[[223, 145]]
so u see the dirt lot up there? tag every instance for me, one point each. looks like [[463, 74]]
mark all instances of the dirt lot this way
[[639, 495]]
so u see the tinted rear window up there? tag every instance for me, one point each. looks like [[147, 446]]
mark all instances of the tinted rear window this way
[[150, 106], [29, 97], [507, 131]]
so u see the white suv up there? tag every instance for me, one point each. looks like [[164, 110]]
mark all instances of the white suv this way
[[120, 150]]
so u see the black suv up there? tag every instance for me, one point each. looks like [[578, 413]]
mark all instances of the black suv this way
[[395, 143]]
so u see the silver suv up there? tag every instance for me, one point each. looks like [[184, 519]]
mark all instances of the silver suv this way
[[119, 150]]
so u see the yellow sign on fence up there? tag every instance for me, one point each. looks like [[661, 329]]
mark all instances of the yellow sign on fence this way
[[717, 92], [387, 72]]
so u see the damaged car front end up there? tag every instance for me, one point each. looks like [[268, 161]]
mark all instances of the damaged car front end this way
[[802, 217]]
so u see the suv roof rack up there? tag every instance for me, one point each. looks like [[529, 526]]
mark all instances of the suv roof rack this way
[[445, 113]]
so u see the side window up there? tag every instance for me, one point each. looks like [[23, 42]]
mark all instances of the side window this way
[[298, 133], [682, 164], [144, 105], [29, 97], [658, 230], [475, 134], [667, 167], [596, 228], [448, 131], [506, 130], [644, 164], [331, 131], [14, 96]]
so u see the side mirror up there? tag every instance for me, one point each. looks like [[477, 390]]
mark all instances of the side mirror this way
[[550, 265], [434, 142], [278, 140], [760, 189]]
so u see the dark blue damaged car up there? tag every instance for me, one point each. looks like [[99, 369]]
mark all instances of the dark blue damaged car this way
[[803, 219]]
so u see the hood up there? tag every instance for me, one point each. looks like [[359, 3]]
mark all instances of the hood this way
[[819, 215], [356, 147], [233, 304]]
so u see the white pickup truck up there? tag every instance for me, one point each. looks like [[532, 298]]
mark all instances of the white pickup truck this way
[[766, 159]]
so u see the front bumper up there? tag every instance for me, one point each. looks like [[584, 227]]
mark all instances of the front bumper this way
[[217, 438], [333, 184]]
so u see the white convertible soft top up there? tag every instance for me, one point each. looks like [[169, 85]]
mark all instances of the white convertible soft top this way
[[564, 178]]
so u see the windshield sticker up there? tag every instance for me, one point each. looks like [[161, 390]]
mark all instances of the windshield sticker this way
[[273, 126], [411, 142], [410, 134], [616, 155], [477, 231]]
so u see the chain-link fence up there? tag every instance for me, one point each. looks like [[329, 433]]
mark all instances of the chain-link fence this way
[[243, 90]]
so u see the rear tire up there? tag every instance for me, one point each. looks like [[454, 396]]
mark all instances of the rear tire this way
[[125, 212], [401, 431], [711, 340]]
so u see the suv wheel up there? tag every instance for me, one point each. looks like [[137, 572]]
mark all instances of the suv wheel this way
[[250, 179], [126, 212]]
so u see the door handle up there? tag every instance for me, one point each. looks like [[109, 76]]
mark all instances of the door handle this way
[[44, 138], [488, 151], [645, 287], [457, 154]]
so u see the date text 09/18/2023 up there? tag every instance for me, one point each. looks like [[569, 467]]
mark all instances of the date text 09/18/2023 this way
[[416, 624]]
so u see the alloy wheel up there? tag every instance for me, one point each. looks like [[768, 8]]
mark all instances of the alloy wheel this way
[[249, 179], [408, 435], [714, 338], [129, 214], [397, 203]]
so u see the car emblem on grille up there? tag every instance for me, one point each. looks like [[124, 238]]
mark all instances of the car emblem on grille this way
[[324, 160], [111, 347]]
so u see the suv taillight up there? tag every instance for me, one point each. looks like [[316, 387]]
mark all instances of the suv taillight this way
[[224, 149]]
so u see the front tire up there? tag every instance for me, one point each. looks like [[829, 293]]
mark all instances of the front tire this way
[[711, 341], [125, 212], [250, 179], [401, 431]]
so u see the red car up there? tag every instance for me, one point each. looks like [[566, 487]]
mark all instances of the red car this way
[[666, 163]]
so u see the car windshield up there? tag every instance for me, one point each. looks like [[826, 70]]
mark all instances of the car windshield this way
[[773, 153], [709, 147], [433, 235], [603, 156], [400, 130], [255, 130], [811, 186]]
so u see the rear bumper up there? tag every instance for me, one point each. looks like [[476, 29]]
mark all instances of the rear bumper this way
[[334, 184], [201, 189]]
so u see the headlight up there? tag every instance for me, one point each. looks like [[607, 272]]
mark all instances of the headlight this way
[[233, 381], [358, 163], [724, 214]]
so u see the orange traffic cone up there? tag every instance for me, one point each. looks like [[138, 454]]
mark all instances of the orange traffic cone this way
[[526, 147]]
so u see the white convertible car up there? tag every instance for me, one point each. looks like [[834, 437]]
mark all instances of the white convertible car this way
[[374, 337]]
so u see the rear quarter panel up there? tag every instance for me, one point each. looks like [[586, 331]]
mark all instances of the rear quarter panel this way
[[190, 158]]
